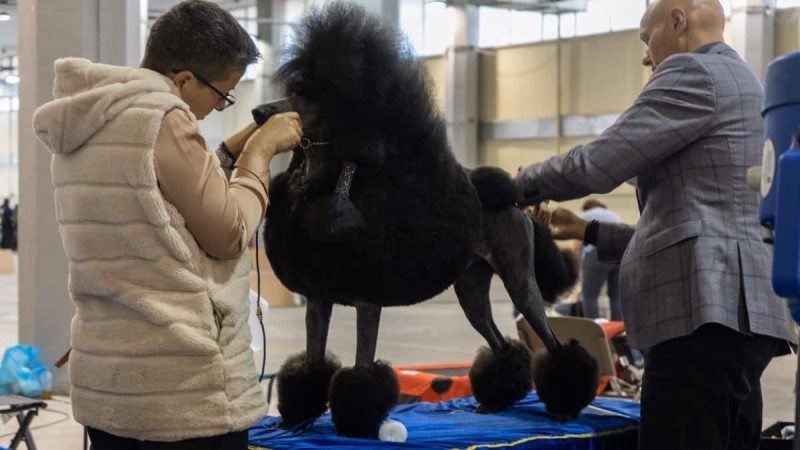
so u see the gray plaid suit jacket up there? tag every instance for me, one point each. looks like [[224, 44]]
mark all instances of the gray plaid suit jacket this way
[[696, 255]]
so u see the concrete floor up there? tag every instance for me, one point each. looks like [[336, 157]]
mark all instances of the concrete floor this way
[[432, 332]]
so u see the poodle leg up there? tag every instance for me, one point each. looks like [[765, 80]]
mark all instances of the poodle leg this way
[[472, 289], [362, 396], [510, 237], [502, 374], [368, 321], [318, 320], [304, 378], [566, 376]]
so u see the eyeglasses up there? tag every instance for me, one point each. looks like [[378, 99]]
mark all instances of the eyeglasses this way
[[224, 101]]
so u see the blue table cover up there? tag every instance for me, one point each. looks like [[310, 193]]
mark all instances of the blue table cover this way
[[453, 425]]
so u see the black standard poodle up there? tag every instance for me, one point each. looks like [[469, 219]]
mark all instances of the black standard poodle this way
[[374, 211]]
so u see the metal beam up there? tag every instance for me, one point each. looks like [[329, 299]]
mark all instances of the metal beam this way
[[543, 6]]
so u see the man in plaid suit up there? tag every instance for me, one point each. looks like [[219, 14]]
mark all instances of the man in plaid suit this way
[[695, 274]]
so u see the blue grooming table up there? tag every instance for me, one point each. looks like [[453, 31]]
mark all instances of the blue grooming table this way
[[453, 425]]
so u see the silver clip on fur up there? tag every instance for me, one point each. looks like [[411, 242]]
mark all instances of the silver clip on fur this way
[[345, 179]]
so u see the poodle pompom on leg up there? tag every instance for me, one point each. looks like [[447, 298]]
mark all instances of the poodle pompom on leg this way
[[361, 397], [566, 379], [501, 379], [303, 388]]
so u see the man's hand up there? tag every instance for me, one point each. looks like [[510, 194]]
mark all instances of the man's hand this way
[[566, 225], [281, 133]]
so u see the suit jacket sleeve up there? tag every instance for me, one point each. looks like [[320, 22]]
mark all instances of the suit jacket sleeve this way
[[612, 240], [677, 107]]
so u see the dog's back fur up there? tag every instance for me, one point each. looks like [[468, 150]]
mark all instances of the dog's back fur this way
[[360, 88]]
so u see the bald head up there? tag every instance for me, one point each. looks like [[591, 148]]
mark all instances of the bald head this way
[[679, 26], [705, 16]]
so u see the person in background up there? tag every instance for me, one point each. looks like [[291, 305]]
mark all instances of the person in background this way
[[595, 273], [15, 227], [156, 235], [7, 224]]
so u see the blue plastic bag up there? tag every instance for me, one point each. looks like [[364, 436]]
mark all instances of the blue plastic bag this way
[[21, 372]]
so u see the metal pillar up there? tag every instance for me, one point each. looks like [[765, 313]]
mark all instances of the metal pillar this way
[[50, 29], [461, 84], [752, 31]]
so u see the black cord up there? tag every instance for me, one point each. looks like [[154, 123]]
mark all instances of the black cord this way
[[259, 313], [272, 377], [263, 351]]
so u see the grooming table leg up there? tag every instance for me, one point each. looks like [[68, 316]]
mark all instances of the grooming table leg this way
[[24, 434]]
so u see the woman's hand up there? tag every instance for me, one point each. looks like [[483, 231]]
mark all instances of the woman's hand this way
[[541, 212], [235, 143], [281, 133]]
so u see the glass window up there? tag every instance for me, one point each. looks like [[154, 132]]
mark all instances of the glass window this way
[[549, 27], [411, 14], [627, 14], [726, 5], [253, 70], [568, 25], [294, 10], [788, 4], [596, 19], [500, 26], [251, 16], [494, 27], [438, 29], [734, 4], [526, 26], [247, 18]]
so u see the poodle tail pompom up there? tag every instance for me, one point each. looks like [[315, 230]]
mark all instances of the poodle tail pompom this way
[[495, 187]]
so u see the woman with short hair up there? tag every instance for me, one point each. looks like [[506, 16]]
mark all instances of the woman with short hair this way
[[156, 235]]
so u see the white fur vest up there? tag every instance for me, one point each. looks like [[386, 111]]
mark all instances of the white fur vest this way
[[160, 337]]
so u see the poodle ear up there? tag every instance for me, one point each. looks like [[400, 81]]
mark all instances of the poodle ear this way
[[361, 147], [555, 271], [333, 218]]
